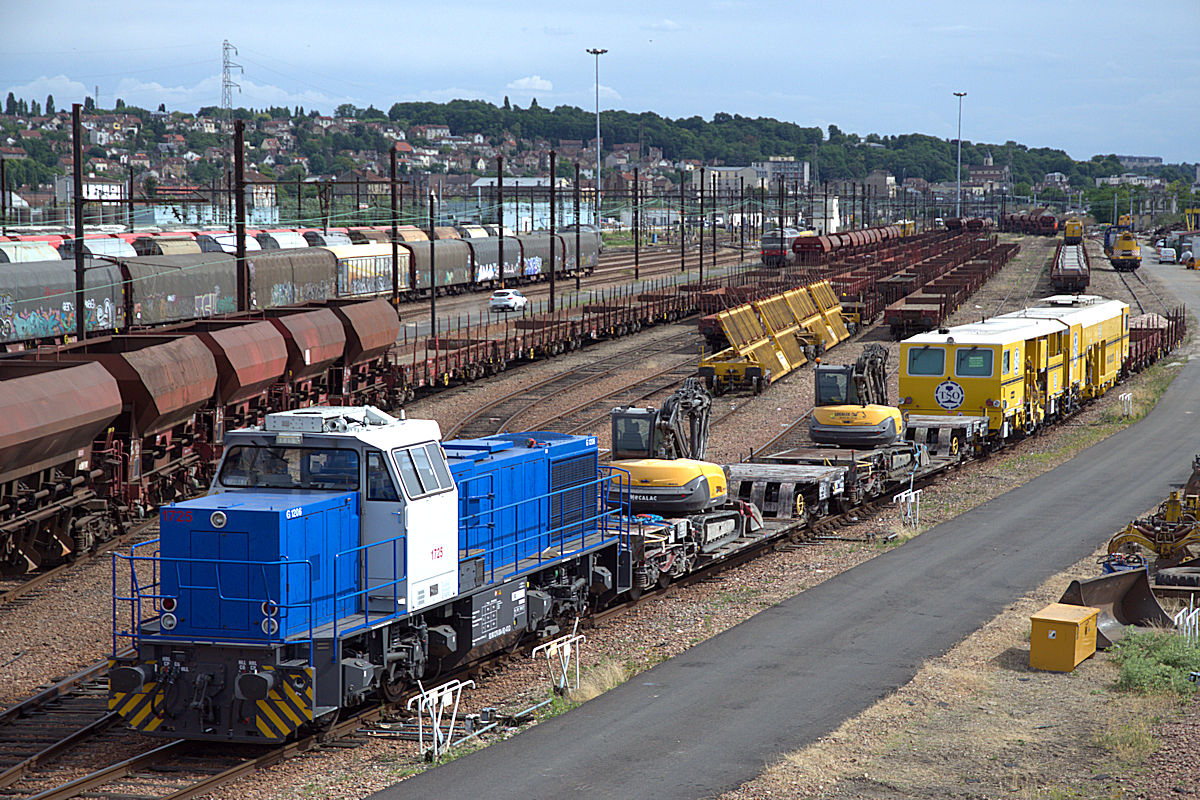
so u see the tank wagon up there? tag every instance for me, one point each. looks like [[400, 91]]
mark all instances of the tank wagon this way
[[1039, 221], [178, 279], [122, 423], [811, 250]]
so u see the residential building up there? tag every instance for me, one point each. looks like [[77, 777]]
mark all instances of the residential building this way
[[728, 180], [787, 168], [881, 183], [431, 133]]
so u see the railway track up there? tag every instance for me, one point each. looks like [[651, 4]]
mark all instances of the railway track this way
[[1134, 294], [29, 587], [154, 769], [499, 414], [41, 728]]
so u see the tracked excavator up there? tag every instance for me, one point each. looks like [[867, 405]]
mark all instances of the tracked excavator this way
[[663, 451], [851, 406], [683, 501]]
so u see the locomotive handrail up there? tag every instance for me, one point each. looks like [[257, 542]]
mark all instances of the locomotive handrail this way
[[138, 596], [398, 555], [597, 522]]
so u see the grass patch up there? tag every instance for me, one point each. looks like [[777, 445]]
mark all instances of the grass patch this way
[[896, 533], [1130, 741], [1156, 662], [593, 682], [460, 750], [597, 680]]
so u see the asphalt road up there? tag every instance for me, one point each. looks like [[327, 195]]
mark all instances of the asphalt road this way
[[713, 717]]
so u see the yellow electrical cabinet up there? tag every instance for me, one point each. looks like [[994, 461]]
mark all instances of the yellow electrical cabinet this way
[[1063, 636]]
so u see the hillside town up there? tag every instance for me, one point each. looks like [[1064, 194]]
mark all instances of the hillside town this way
[[183, 161]]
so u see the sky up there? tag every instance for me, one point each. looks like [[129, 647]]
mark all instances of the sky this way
[[1089, 77]]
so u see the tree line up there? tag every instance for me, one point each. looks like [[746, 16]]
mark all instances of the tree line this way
[[729, 139]]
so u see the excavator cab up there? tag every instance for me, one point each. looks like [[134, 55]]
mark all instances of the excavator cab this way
[[635, 432], [850, 408], [835, 385]]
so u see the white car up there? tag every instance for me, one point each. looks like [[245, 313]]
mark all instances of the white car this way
[[1166, 255], [507, 300]]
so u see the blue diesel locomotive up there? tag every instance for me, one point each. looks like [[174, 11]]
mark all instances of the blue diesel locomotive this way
[[343, 553]]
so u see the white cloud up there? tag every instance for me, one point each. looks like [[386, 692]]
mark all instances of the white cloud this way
[[65, 90], [448, 94], [609, 93], [663, 25], [533, 83]]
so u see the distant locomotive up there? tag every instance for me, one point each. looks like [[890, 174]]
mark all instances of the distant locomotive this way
[[777, 246], [1073, 231], [1126, 253]]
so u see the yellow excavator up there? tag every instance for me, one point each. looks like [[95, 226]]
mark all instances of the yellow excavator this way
[[851, 406], [663, 451]]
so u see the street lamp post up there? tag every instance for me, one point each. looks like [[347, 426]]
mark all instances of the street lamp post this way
[[958, 193], [597, 52]]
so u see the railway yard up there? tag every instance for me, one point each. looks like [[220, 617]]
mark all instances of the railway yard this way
[[618, 344]]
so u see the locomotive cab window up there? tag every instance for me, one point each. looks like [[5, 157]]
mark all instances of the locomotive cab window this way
[[926, 361], [290, 468], [974, 362], [1007, 362], [380, 485], [423, 470]]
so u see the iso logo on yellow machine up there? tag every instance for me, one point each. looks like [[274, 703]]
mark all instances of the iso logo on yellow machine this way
[[949, 395]]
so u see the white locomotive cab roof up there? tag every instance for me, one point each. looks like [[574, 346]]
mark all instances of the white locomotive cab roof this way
[[994, 331], [364, 423]]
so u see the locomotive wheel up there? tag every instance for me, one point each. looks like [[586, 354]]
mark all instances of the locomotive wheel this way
[[324, 723], [392, 691], [664, 580]]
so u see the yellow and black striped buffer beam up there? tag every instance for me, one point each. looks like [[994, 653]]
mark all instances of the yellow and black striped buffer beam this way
[[140, 709], [288, 705]]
